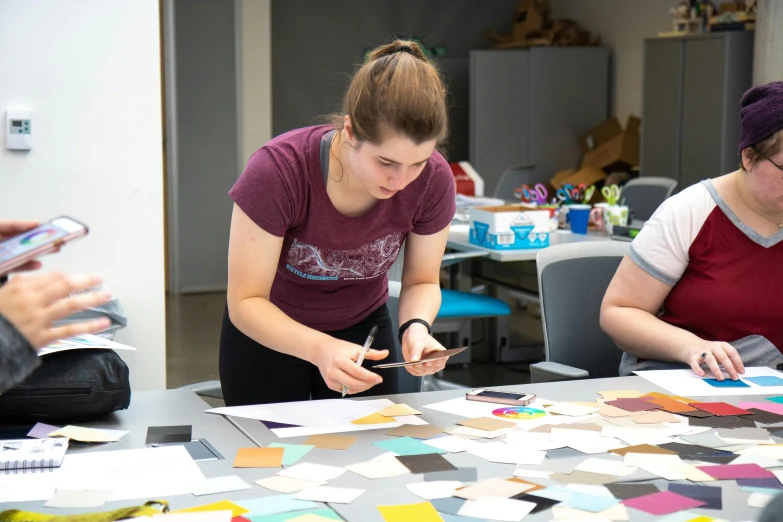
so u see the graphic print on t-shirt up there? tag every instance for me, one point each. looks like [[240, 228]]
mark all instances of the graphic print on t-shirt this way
[[369, 261]]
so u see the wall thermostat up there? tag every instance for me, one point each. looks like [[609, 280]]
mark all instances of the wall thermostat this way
[[19, 130]]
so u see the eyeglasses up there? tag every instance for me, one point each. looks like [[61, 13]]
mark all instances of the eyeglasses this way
[[780, 167]]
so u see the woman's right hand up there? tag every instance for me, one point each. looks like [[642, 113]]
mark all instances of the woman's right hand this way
[[32, 303], [336, 360], [714, 355]]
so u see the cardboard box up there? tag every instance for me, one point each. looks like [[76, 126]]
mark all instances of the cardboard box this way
[[597, 136], [587, 175], [510, 227], [620, 152], [468, 181]]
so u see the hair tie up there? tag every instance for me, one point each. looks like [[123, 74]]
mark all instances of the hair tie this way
[[405, 49]]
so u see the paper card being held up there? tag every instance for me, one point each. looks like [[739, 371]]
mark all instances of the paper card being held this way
[[432, 356]]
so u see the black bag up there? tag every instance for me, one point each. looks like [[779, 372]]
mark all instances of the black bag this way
[[71, 386]]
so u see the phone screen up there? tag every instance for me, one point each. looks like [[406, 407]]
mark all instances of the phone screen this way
[[501, 395], [30, 240]]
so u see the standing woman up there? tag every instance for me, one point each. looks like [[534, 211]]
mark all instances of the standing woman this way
[[320, 215]]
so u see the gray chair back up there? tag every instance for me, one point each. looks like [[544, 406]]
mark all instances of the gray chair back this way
[[572, 281], [644, 195], [515, 177]]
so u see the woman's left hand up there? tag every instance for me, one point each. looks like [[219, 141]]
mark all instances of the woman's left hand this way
[[416, 341]]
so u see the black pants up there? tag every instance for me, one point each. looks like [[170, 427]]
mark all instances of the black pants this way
[[251, 373]]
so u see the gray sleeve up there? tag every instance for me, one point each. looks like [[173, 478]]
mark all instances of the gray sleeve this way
[[17, 358]]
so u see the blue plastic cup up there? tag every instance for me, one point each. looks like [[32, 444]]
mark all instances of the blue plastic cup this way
[[579, 216]]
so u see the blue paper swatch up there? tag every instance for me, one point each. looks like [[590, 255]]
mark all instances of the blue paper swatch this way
[[765, 380], [728, 383], [591, 503], [407, 446]]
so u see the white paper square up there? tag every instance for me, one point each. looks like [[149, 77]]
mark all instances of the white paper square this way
[[606, 467], [330, 494], [434, 490], [504, 509], [287, 484], [505, 454], [452, 444], [219, 485], [310, 471]]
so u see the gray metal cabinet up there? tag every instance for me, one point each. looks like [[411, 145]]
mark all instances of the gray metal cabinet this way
[[692, 88], [530, 107]]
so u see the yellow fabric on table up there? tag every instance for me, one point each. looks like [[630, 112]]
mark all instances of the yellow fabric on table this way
[[147, 510]]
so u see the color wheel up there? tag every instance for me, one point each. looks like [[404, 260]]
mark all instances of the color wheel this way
[[519, 413], [37, 237]]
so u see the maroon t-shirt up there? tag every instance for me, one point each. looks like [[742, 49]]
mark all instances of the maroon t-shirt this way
[[332, 269]]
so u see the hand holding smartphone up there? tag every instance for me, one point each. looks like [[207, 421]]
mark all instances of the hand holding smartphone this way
[[18, 250], [499, 397]]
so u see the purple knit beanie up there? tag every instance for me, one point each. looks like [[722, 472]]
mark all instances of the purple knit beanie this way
[[761, 114]]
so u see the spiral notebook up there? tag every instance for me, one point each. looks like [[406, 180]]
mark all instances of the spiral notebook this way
[[31, 455]]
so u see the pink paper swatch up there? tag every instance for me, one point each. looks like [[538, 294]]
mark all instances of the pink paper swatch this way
[[766, 406], [662, 503], [736, 471]]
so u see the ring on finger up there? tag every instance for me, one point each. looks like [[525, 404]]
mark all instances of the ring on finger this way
[[704, 356]]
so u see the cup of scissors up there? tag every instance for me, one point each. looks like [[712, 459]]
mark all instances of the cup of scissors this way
[[537, 195]]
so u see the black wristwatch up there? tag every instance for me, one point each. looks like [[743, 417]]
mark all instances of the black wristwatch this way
[[413, 321]]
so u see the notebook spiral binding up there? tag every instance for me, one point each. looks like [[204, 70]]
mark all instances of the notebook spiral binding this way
[[21, 467]]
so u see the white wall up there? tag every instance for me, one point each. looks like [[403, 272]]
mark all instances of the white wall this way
[[90, 71], [255, 82], [623, 25], [768, 51]]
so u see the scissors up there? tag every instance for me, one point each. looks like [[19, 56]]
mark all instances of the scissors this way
[[538, 194], [578, 193], [565, 194], [588, 195], [611, 194]]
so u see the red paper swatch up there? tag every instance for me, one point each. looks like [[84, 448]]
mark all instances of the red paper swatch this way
[[721, 409]]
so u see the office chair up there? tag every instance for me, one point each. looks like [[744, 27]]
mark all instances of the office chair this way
[[572, 281], [644, 195], [515, 177]]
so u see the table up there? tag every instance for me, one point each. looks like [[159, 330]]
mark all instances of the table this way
[[183, 407]]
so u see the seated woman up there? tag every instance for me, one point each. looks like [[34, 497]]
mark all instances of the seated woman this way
[[703, 281]]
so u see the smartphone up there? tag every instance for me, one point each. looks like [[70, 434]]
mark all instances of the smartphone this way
[[44, 239], [499, 397]]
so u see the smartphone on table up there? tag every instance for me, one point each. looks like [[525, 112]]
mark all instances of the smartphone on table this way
[[44, 239], [500, 397]]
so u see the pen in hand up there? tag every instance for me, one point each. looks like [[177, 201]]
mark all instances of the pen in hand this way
[[365, 349]]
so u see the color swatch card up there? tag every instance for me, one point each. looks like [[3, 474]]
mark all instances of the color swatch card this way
[[74, 498], [487, 423], [492, 488], [765, 380], [504, 509], [452, 444], [259, 458], [434, 490], [398, 410], [329, 494], [168, 434], [633, 405], [629, 491], [712, 496], [406, 446], [416, 432], [292, 452], [385, 466], [333, 442], [426, 463], [272, 505], [421, 512], [214, 485], [224, 505], [726, 383], [736, 471], [720, 408], [374, 418], [662, 503]]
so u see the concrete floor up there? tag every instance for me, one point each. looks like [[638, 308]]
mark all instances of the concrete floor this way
[[193, 335]]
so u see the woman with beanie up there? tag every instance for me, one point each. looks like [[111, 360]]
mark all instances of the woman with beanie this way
[[702, 285]]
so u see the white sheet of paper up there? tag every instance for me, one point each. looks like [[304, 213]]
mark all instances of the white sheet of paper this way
[[345, 427], [523, 472], [504, 509], [772, 451], [572, 410], [685, 383], [287, 484], [533, 440], [473, 409], [307, 413], [452, 444], [606, 467], [26, 488], [310, 471], [330, 494], [70, 498], [199, 516], [81, 342], [219, 485], [651, 459], [480, 434], [759, 500], [505, 454], [595, 446], [385, 466], [434, 490], [131, 474]]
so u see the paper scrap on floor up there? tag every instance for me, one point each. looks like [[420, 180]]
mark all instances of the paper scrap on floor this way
[[687, 384]]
